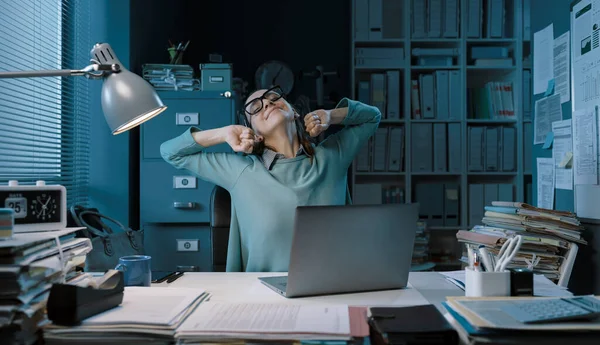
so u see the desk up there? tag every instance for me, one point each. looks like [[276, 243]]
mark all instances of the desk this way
[[424, 288]]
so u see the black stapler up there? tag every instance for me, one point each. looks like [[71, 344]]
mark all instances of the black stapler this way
[[68, 305]]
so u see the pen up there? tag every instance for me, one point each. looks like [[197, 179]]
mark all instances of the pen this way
[[175, 277]]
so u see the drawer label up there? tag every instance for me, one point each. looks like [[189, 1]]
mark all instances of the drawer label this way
[[187, 119], [184, 182], [187, 245]]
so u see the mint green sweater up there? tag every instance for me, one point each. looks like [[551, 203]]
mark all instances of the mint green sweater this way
[[264, 201]]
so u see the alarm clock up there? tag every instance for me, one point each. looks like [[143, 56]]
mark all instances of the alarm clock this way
[[38, 207]]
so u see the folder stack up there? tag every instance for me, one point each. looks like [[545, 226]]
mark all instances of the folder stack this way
[[29, 264], [167, 77], [550, 237], [493, 101]]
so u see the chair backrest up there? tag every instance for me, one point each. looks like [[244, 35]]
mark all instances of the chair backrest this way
[[220, 220]]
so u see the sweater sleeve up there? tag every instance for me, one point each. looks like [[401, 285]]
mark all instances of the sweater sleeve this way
[[220, 168], [359, 125]]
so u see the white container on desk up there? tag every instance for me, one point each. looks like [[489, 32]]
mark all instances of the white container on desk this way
[[486, 284]]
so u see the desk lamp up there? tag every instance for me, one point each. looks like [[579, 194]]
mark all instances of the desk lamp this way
[[127, 99]]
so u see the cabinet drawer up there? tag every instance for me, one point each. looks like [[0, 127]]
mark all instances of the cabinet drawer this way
[[169, 195], [173, 245], [180, 115]]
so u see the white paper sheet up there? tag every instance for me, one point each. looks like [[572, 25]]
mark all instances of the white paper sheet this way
[[255, 318], [543, 64], [562, 81], [547, 110], [585, 147], [586, 55], [587, 199], [561, 147], [545, 183]]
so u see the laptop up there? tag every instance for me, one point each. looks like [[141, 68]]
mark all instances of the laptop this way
[[350, 248]]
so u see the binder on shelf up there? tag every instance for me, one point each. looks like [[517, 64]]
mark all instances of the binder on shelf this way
[[475, 154], [361, 20], [454, 148], [439, 147], [451, 15], [441, 94], [375, 19], [396, 148], [364, 92], [378, 91], [526, 20], [474, 18], [419, 18], [454, 101], [363, 158], [491, 149], [509, 151], [476, 205], [415, 101], [380, 149], [490, 193], [380, 52], [434, 18], [451, 202], [392, 28], [427, 94], [436, 204], [505, 192], [393, 95], [422, 147], [495, 18], [527, 146]]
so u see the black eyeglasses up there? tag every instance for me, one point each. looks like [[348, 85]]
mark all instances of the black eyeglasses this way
[[254, 106]]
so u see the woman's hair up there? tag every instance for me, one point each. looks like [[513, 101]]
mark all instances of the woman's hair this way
[[303, 137]]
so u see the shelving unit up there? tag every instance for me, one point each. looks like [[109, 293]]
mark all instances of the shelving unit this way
[[470, 76]]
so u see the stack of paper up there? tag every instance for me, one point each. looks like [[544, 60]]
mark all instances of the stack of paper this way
[[483, 321], [29, 264], [548, 235], [171, 77], [247, 321], [146, 316]]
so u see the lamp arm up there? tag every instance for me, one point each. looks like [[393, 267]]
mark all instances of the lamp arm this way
[[94, 71]]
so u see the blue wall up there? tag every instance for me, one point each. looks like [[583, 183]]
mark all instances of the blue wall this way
[[545, 12], [109, 162]]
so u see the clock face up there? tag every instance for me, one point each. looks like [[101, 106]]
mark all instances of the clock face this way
[[273, 73], [32, 207]]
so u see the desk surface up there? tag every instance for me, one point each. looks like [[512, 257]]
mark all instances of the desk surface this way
[[424, 288]]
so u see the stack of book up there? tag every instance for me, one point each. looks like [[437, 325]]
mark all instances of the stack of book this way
[[550, 237], [29, 264], [420, 257], [171, 77]]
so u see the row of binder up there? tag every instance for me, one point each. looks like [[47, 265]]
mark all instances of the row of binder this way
[[438, 203], [384, 92], [435, 18], [383, 152], [481, 195], [378, 19], [377, 194], [492, 149], [436, 95], [379, 57], [436, 147], [486, 19], [493, 101]]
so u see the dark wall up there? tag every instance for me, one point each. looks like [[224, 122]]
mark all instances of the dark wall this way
[[247, 33]]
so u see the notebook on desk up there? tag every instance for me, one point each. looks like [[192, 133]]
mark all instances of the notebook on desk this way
[[352, 248]]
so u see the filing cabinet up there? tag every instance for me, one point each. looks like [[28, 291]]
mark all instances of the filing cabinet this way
[[174, 203]]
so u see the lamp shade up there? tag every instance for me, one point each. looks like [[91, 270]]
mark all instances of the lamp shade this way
[[127, 99]]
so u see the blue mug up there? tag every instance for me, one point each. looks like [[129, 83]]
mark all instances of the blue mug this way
[[136, 270]]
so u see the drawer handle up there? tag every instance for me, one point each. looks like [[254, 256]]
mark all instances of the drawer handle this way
[[184, 205]]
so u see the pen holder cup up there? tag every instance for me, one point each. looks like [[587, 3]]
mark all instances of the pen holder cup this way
[[486, 284]]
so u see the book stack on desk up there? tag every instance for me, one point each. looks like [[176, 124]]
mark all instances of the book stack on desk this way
[[550, 237], [29, 264], [146, 316], [490, 321]]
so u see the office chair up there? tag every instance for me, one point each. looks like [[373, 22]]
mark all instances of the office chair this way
[[220, 219]]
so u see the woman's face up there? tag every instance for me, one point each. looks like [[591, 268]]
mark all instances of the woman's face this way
[[269, 110]]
